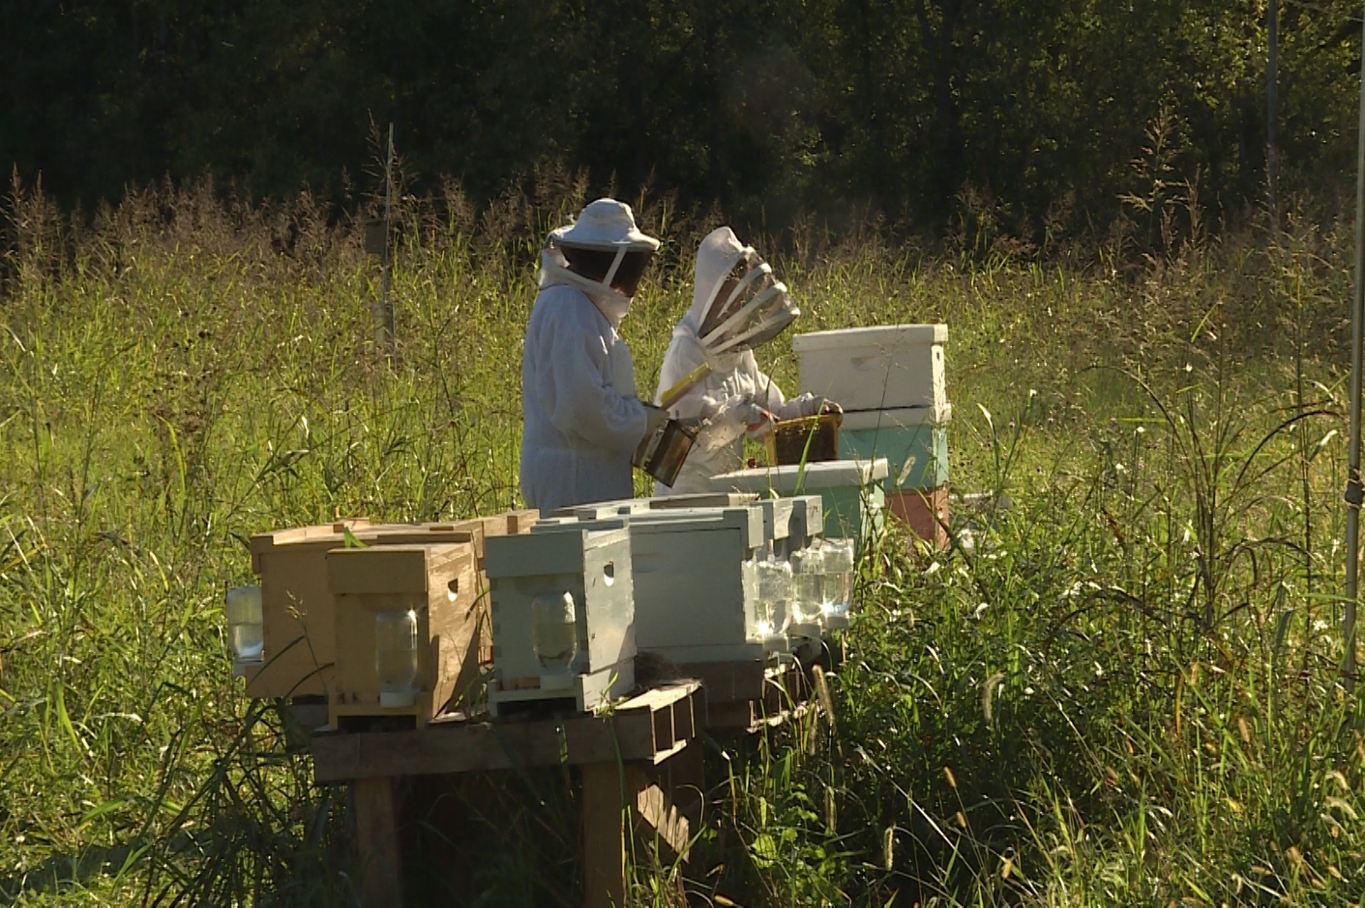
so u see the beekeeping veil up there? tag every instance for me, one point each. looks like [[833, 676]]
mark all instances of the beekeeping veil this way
[[737, 302], [605, 225]]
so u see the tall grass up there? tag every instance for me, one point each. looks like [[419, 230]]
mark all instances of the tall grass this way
[[1125, 693]]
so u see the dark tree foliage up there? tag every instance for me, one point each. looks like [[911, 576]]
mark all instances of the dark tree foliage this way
[[1036, 109]]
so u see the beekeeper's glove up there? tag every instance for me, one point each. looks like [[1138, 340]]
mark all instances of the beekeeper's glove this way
[[758, 422], [727, 419], [809, 404], [655, 417]]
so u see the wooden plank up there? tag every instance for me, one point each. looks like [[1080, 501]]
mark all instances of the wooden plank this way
[[629, 735], [604, 847], [377, 844], [450, 747], [661, 820], [684, 777], [653, 819], [727, 681], [735, 716]]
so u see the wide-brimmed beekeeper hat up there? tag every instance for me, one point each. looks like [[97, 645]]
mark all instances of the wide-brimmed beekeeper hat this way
[[605, 224]]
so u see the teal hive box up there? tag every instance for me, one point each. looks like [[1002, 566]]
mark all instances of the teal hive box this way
[[914, 440], [853, 493]]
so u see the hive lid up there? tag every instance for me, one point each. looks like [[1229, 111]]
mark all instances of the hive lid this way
[[872, 336], [603, 509], [748, 519], [334, 534], [788, 480]]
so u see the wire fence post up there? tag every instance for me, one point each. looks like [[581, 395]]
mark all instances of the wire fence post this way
[[377, 232], [386, 331], [1354, 491]]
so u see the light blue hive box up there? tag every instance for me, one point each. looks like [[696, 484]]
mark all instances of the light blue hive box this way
[[914, 440]]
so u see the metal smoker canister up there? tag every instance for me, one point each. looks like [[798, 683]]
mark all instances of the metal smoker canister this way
[[663, 456]]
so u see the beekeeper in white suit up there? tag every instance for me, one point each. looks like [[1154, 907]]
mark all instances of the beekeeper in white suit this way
[[581, 417], [737, 305]]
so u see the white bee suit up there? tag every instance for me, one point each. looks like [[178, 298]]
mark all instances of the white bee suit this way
[[581, 418], [732, 395]]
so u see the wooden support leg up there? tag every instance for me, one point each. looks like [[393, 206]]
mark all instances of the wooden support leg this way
[[377, 843], [664, 807], [604, 846]]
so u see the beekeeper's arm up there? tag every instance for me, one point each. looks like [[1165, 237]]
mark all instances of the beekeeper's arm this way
[[770, 396], [680, 360], [580, 401], [727, 417]]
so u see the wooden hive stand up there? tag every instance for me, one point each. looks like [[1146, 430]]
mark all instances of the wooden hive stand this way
[[640, 761]]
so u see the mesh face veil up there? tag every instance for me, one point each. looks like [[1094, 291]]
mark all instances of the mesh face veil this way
[[755, 307]]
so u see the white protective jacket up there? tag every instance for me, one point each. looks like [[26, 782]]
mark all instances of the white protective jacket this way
[[581, 417], [730, 395]]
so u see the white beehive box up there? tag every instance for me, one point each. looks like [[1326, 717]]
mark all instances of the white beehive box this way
[[695, 599], [853, 493], [595, 569], [880, 368]]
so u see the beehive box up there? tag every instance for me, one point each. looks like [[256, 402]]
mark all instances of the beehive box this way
[[886, 367], [296, 604], [925, 512], [440, 584], [852, 493], [695, 596], [595, 569], [914, 441]]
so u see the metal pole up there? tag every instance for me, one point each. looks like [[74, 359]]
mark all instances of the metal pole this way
[[1272, 164], [386, 261], [1354, 491]]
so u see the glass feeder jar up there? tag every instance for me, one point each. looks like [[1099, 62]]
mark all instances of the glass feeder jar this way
[[395, 657], [554, 631], [775, 595], [246, 631], [808, 576], [755, 609], [839, 568]]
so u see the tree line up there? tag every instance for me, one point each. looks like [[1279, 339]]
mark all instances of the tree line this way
[[1043, 113]]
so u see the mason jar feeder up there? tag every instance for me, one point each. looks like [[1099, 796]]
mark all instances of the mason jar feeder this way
[[554, 632], [808, 580], [839, 567], [395, 657], [775, 596], [246, 632]]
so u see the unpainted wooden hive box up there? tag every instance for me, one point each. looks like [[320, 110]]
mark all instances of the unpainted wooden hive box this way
[[439, 583], [296, 603]]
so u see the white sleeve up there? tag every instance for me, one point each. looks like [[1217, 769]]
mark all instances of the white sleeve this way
[[576, 390], [766, 392], [682, 356], [770, 396]]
